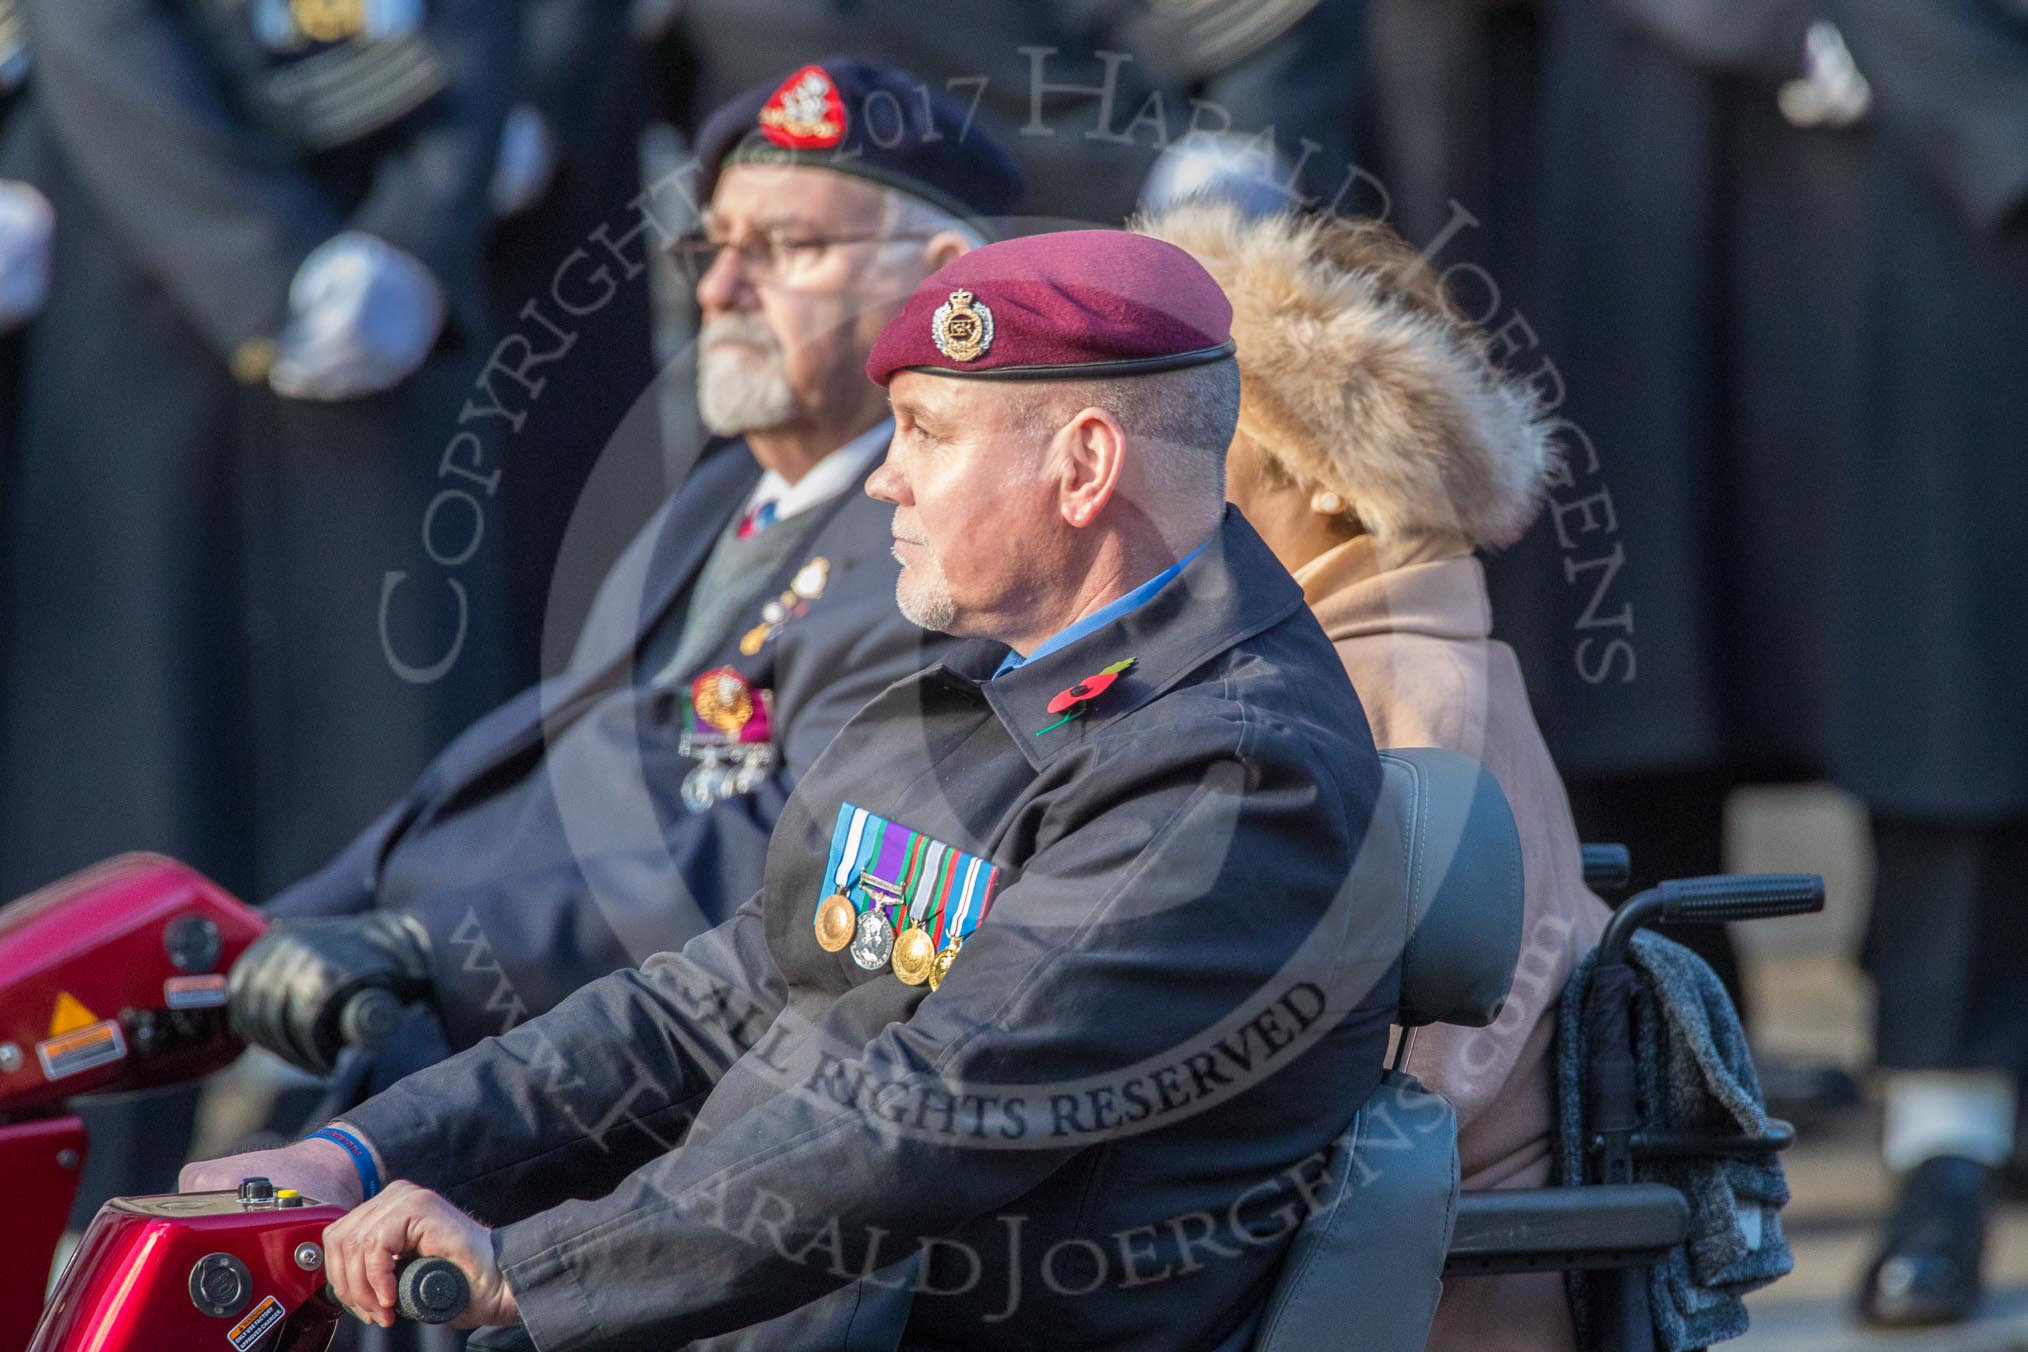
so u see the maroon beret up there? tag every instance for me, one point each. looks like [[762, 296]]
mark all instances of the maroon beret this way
[[1075, 305]]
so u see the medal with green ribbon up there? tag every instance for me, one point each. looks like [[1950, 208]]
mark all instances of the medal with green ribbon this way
[[899, 897]]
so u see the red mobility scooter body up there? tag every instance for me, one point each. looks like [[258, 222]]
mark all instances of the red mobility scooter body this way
[[240, 1272], [112, 979]]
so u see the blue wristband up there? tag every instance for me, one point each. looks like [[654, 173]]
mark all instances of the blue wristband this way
[[362, 1158]]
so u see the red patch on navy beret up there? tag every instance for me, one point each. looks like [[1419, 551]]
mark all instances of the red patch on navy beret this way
[[805, 113]]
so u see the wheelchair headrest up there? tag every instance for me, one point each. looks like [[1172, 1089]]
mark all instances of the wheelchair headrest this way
[[1442, 832]]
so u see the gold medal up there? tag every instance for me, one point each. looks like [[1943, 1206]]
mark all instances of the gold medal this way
[[755, 638], [941, 967], [723, 699], [811, 578], [329, 20], [837, 921], [914, 956]]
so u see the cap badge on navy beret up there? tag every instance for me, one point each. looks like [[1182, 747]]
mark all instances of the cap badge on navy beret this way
[[805, 113], [962, 327]]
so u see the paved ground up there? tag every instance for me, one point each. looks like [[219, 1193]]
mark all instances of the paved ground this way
[[1812, 1003]]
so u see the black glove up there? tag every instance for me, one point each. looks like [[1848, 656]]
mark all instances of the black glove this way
[[289, 989]]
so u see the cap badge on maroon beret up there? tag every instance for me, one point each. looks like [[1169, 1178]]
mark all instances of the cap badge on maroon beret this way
[[806, 113], [962, 327]]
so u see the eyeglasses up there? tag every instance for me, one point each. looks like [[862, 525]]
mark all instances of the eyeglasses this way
[[768, 257]]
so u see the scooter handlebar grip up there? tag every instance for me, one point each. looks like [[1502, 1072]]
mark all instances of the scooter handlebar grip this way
[[1740, 896], [431, 1291]]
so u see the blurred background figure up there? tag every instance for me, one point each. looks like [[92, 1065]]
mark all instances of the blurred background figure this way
[[570, 166], [1088, 94], [1929, 726], [242, 609], [1777, 262], [1063, 105], [231, 583]]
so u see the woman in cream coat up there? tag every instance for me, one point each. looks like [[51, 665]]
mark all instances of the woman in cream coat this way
[[1378, 446]]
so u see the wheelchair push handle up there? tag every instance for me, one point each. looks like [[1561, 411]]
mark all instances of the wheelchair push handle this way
[[1743, 896], [1714, 900], [1607, 868]]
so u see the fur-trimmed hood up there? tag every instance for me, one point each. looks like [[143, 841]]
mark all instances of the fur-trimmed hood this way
[[1350, 389]]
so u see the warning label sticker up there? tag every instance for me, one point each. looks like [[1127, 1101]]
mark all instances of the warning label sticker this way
[[194, 992], [80, 1051], [256, 1324], [69, 1015]]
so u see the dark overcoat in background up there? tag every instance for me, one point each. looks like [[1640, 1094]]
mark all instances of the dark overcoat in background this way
[[1646, 639], [583, 73], [1449, 93], [212, 589], [1788, 347], [1930, 719], [1930, 728], [1683, 295]]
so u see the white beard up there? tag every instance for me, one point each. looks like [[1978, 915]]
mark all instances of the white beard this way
[[924, 596], [742, 388]]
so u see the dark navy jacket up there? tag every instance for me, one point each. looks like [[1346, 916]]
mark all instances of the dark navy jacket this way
[[548, 845], [1103, 1122]]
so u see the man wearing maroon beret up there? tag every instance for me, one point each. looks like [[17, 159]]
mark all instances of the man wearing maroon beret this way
[[1053, 996]]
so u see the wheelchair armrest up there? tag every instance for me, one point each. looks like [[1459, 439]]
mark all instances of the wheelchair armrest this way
[[1560, 1229]]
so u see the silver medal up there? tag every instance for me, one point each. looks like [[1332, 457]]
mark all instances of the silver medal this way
[[752, 770], [700, 786], [873, 944]]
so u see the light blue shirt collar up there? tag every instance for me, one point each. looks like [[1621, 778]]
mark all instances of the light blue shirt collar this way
[[1104, 615]]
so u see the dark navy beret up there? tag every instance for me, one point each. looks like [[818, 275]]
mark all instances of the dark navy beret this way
[[876, 122], [1074, 305]]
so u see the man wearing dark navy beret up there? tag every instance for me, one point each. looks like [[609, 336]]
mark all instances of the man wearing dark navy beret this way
[[625, 806], [1053, 996]]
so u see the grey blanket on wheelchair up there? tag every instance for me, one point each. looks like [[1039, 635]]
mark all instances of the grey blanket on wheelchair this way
[[1693, 1069]]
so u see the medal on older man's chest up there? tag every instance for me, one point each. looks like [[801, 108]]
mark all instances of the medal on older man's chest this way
[[329, 20], [724, 699], [806, 586], [728, 730]]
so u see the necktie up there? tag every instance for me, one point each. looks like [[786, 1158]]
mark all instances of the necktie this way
[[757, 520]]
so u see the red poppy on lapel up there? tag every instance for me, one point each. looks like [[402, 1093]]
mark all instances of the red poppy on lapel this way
[[1071, 702]]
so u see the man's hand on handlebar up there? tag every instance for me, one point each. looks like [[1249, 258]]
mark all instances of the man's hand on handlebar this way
[[291, 988], [318, 1169], [360, 1253]]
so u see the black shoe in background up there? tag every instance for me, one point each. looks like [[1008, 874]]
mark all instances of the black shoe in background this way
[[1928, 1270]]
